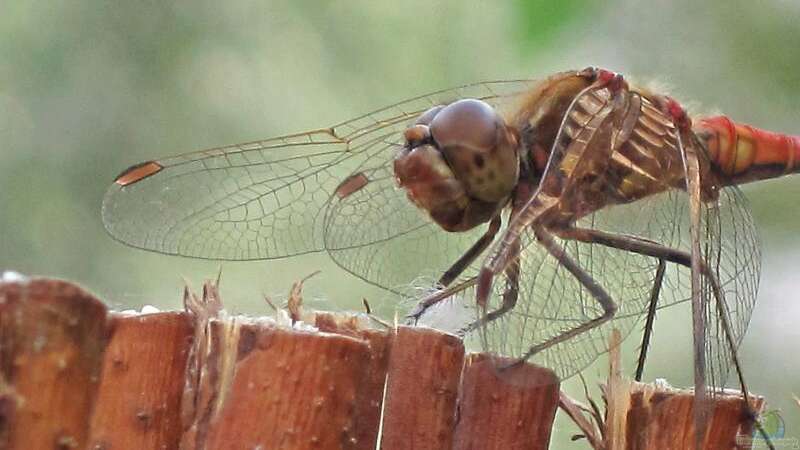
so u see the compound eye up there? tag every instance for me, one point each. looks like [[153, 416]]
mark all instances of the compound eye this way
[[426, 117], [479, 148], [466, 123]]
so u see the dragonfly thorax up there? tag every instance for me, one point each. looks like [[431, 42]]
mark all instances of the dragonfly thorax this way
[[460, 163]]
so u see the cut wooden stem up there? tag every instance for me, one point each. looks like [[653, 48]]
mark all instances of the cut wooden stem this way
[[422, 389], [644, 416], [370, 393], [71, 376], [279, 388], [52, 338], [661, 417], [503, 408], [139, 400], [256, 384]]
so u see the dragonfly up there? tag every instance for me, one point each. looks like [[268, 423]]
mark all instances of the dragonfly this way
[[555, 208]]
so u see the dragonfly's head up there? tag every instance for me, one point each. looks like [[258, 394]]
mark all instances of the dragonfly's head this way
[[460, 163]]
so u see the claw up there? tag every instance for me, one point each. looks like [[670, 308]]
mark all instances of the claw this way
[[413, 316]]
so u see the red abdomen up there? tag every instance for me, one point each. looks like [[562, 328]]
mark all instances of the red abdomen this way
[[742, 153]]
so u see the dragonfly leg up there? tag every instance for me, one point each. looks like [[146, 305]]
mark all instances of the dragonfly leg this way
[[663, 253], [467, 258], [590, 284], [454, 271], [651, 315], [691, 168], [510, 294], [645, 247], [438, 296]]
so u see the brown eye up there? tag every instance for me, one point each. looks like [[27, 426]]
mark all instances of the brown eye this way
[[426, 117], [479, 147], [466, 123]]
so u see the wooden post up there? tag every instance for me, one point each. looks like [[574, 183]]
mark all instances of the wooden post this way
[[52, 338], [139, 400], [279, 388], [71, 376], [370, 401], [504, 408], [643, 416], [422, 389], [654, 416]]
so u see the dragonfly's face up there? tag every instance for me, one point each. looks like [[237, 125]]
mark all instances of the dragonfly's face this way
[[460, 163]]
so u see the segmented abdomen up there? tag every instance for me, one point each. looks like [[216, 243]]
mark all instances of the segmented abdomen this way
[[743, 153]]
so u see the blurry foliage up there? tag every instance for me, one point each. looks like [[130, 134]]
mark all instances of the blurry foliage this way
[[88, 88], [539, 23]]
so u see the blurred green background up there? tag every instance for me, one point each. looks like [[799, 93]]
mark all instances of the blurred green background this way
[[88, 88]]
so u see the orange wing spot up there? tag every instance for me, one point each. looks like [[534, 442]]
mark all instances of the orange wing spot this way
[[138, 172], [351, 184]]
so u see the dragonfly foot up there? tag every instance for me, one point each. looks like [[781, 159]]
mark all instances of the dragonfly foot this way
[[412, 318]]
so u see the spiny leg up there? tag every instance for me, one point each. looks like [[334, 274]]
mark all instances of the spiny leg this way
[[645, 247], [438, 296], [649, 248], [651, 315], [633, 244], [455, 270], [663, 253], [509, 297], [595, 290], [691, 165], [511, 293], [512, 270], [467, 258]]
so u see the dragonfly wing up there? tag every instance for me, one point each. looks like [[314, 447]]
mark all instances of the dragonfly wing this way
[[731, 249], [551, 300], [374, 231], [249, 201], [264, 199]]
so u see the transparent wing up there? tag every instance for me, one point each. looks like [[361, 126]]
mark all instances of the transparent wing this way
[[732, 251], [373, 231], [552, 301], [272, 198]]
